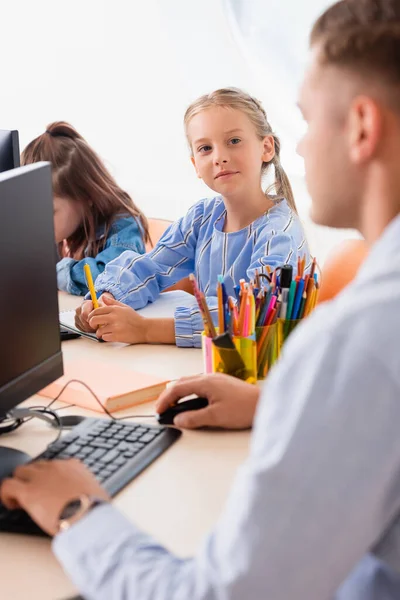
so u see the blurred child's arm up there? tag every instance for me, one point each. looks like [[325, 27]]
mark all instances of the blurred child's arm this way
[[138, 279], [124, 235]]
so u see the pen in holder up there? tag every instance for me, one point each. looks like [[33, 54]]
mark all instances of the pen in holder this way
[[253, 326], [236, 356], [269, 344]]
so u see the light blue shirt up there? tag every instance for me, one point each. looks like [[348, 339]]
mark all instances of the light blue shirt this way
[[314, 511], [125, 233], [197, 244]]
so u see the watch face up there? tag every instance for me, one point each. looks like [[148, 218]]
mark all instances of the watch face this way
[[71, 508]]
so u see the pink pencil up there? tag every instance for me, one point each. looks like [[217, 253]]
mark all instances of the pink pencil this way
[[246, 323], [270, 308]]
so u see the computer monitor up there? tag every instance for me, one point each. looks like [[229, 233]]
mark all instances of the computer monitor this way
[[9, 150], [30, 348]]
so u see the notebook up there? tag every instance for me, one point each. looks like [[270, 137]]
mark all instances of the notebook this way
[[117, 388], [164, 307]]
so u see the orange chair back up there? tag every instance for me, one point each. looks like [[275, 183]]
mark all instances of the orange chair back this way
[[156, 228], [341, 267]]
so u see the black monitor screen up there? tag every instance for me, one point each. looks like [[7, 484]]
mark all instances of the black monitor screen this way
[[9, 150], [30, 354]]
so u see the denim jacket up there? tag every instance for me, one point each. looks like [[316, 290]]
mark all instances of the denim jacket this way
[[124, 234]]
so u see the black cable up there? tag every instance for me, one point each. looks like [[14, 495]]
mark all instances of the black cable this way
[[57, 419], [23, 415], [16, 422], [97, 400]]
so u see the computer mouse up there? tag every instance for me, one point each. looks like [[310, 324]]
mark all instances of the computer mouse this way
[[167, 417], [68, 421]]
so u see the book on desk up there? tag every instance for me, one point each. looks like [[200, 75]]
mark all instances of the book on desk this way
[[117, 388]]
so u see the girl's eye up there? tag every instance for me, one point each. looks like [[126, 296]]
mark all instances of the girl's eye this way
[[204, 149], [235, 141]]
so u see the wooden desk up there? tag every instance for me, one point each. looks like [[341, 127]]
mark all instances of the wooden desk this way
[[191, 480]]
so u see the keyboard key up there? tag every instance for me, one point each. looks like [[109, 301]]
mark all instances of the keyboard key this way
[[106, 472], [79, 456], [86, 450], [105, 445], [123, 446], [98, 453], [71, 450], [116, 427], [113, 467], [110, 456], [137, 446], [147, 437], [133, 437]]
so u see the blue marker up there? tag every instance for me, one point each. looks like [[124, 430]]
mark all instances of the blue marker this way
[[297, 300]]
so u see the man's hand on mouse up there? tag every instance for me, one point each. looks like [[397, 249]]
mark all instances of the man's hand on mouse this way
[[43, 488], [231, 402]]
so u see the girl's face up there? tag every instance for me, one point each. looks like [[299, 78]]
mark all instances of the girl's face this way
[[67, 217], [227, 153]]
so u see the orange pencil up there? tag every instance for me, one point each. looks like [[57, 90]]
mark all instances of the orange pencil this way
[[252, 319], [314, 264], [242, 311], [309, 291], [303, 264], [265, 332]]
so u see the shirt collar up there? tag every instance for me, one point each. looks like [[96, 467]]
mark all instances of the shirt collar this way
[[384, 252]]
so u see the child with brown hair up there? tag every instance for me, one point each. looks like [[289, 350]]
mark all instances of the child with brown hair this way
[[94, 219]]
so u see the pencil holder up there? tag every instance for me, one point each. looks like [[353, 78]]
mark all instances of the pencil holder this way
[[270, 341], [239, 361]]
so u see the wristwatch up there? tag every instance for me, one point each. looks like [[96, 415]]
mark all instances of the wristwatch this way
[[75, 509]]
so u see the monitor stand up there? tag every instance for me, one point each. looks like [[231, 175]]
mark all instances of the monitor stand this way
[[10, 459]]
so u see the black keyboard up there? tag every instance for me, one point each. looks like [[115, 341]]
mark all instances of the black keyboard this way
[[66, 334], [114, 452]]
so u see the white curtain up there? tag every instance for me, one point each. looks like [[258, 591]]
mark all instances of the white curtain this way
[[273, 35]]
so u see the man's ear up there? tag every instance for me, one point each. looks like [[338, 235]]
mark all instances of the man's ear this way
[[365, 129], [268, 148], [195, 168]]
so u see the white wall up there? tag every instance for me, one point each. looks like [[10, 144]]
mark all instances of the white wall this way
[[123, 73]]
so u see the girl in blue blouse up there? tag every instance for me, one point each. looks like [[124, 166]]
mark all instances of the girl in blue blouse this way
[[241, 229], [94, 220]]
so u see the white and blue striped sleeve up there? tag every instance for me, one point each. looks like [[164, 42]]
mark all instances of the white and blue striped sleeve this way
[[189, 323], [273, 248], [137, 279]]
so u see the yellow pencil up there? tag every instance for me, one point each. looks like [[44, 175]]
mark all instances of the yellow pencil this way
[[89, 281]]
